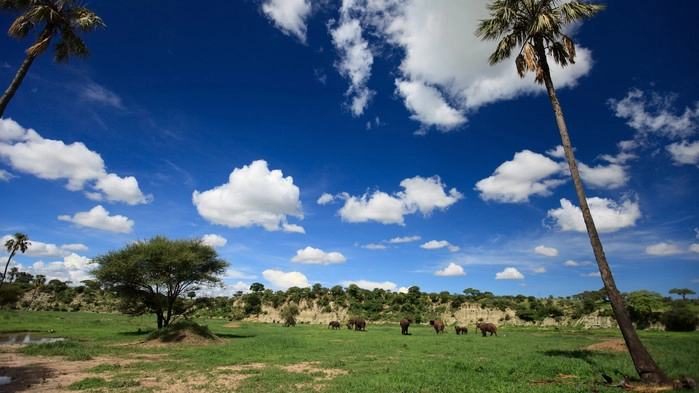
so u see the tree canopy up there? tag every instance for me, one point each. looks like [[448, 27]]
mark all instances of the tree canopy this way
[[153, 276]]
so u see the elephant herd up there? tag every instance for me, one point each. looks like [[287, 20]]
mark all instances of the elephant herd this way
[[359, 324]]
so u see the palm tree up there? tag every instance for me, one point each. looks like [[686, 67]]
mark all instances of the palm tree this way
[[61, 18], [535, 27], [13, 274], [19, 242]]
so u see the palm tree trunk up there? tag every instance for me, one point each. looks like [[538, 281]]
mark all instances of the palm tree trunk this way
[[14, 85], [646, 367], [2, 281]]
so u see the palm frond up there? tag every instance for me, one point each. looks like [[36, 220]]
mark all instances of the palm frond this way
[[575, 11], [570, 47]]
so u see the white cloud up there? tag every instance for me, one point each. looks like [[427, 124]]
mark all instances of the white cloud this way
[[289, 16], [214, 240], [44, 250], [451, 271], [428, 106], [73, 268], [547, 251], [684, 152], [526, 175], [314, 256], [510, 273], [356, 58], [539, 270], [593, 274], [611, 176], [83, 169], [608, 215], [97, 93], [374, 246], [254, 195], [283, 281], [421, 194], [405, 239], [654, 115], [99, 218], [663, 249], [371, 285], [434, 244], [5, 175], [694, 247], [325, 199], [574, 263]]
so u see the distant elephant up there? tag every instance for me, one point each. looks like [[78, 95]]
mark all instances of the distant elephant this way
[[487, 327], [350, 324], [438, 326], [461, 329], [404, 323], [359, 324], [334, 325]]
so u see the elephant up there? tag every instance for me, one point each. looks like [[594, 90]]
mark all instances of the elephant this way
[[438, 326], [461, 329], [404, 323], [359, 324], [334, 325], [487, 327], [350, 324]]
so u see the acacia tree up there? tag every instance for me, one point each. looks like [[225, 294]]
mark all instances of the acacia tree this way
[[682, 292], [61, 18], [152, 276], [536, 28], [18, 242]]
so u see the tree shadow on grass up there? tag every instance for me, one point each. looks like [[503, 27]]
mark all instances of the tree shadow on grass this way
[[597, 359], [24, 378]]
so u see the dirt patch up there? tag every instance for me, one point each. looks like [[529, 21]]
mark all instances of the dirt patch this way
[[611, 346], [232, 325]]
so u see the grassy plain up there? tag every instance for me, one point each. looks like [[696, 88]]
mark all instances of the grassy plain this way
[[257, 357]]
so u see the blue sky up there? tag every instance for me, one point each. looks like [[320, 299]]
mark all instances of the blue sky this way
[[366, 142]]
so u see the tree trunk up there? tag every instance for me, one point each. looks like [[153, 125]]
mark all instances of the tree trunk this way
[[12, 254], [14, 85], [646, 367]]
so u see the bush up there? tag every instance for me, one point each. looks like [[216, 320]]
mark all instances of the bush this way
[[680, 318]]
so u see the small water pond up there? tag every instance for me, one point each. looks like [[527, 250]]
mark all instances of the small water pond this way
[[26, 338]]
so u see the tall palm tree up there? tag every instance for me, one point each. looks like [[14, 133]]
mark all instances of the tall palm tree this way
[[18, 242], [60, 18], [535, 27]]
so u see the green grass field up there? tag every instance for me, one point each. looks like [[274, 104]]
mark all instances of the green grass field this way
[[256, 357]]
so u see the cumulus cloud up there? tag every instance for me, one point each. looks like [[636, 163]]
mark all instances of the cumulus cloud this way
[[421, 194], [663, 249], [214, 240], [434, 244], [609, 216], [439, 79], [73, 268], [254, 195], [694, 247], [374, 246], [98, 217], [325, 199], [539, 270], [283, 281], [314, 256], [82, 169], [289, 16], [609, 177], [45, 250], [684, 152], [451, 271], [526, 175], [510, 273], [547, 251], [371, 285]]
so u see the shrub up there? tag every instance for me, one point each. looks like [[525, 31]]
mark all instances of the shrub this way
[[680, 318]]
